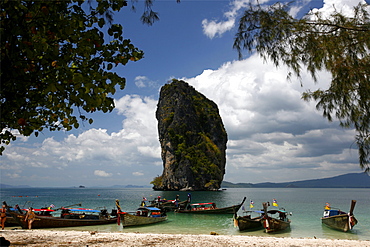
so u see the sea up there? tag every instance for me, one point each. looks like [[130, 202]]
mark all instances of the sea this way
[[306, 206]]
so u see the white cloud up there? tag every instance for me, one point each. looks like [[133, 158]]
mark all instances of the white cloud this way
[[343, 6], [217, 28], [13, 175], [269, 125], [253, 96], [101, 173], [143, 81], [135, 145], [214, 28], [16, 157], [137, 173], [138, 136], [139, 81]]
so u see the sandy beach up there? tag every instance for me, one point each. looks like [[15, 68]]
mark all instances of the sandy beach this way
[[84, 238]]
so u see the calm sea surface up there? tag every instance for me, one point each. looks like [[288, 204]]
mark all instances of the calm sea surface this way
[[306, 206]]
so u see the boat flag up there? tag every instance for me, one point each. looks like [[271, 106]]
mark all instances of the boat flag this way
[[143, 202], [251, 205], [327, 206], [274, 203]]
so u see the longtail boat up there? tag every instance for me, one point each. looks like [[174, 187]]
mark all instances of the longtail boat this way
[[70, 217], [339, 220], [143, 216], [10, 221], [166, 205], [275, 224], [247, 222], [210, 208]]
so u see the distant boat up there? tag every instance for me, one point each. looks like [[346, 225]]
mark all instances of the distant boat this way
[[210, 208], [277, 223], [81, 187], [70, 217], [143, 216], [247, 222], [339, 220], [168, 205]]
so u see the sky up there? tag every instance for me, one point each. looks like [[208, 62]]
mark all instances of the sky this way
[[273, 135]]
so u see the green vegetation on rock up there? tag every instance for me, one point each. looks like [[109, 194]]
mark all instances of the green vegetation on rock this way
[[193, 140]]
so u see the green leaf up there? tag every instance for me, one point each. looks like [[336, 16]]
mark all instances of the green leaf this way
[[101, 22]]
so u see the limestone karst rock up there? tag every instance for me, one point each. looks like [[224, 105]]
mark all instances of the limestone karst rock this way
[[193, 140]]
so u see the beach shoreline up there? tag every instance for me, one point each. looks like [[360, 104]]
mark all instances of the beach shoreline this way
[[47, 238]]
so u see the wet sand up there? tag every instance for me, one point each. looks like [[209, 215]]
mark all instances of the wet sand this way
[[48, 238]]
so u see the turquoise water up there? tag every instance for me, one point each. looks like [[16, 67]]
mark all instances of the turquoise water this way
[[306, 206]]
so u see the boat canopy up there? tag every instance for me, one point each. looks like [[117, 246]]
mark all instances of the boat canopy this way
[[150, 208], [43, 210], [333, 212], [255, 211], [13, 209], [35, 209], [274, 211]]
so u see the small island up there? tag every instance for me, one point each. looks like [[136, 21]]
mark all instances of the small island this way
[[193, 140]]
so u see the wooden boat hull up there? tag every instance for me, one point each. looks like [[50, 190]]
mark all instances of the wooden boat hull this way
[[134, 220], [248, 224], [10, 221], [56, 222], [275, 225], [339, 222]]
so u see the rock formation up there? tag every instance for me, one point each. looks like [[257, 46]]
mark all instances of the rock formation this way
[[193, 140]]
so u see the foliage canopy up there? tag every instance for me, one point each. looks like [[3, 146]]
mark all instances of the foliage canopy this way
[[338, 44], [57, 64]]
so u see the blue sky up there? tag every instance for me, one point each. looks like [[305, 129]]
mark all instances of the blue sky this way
[[274, 136]]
